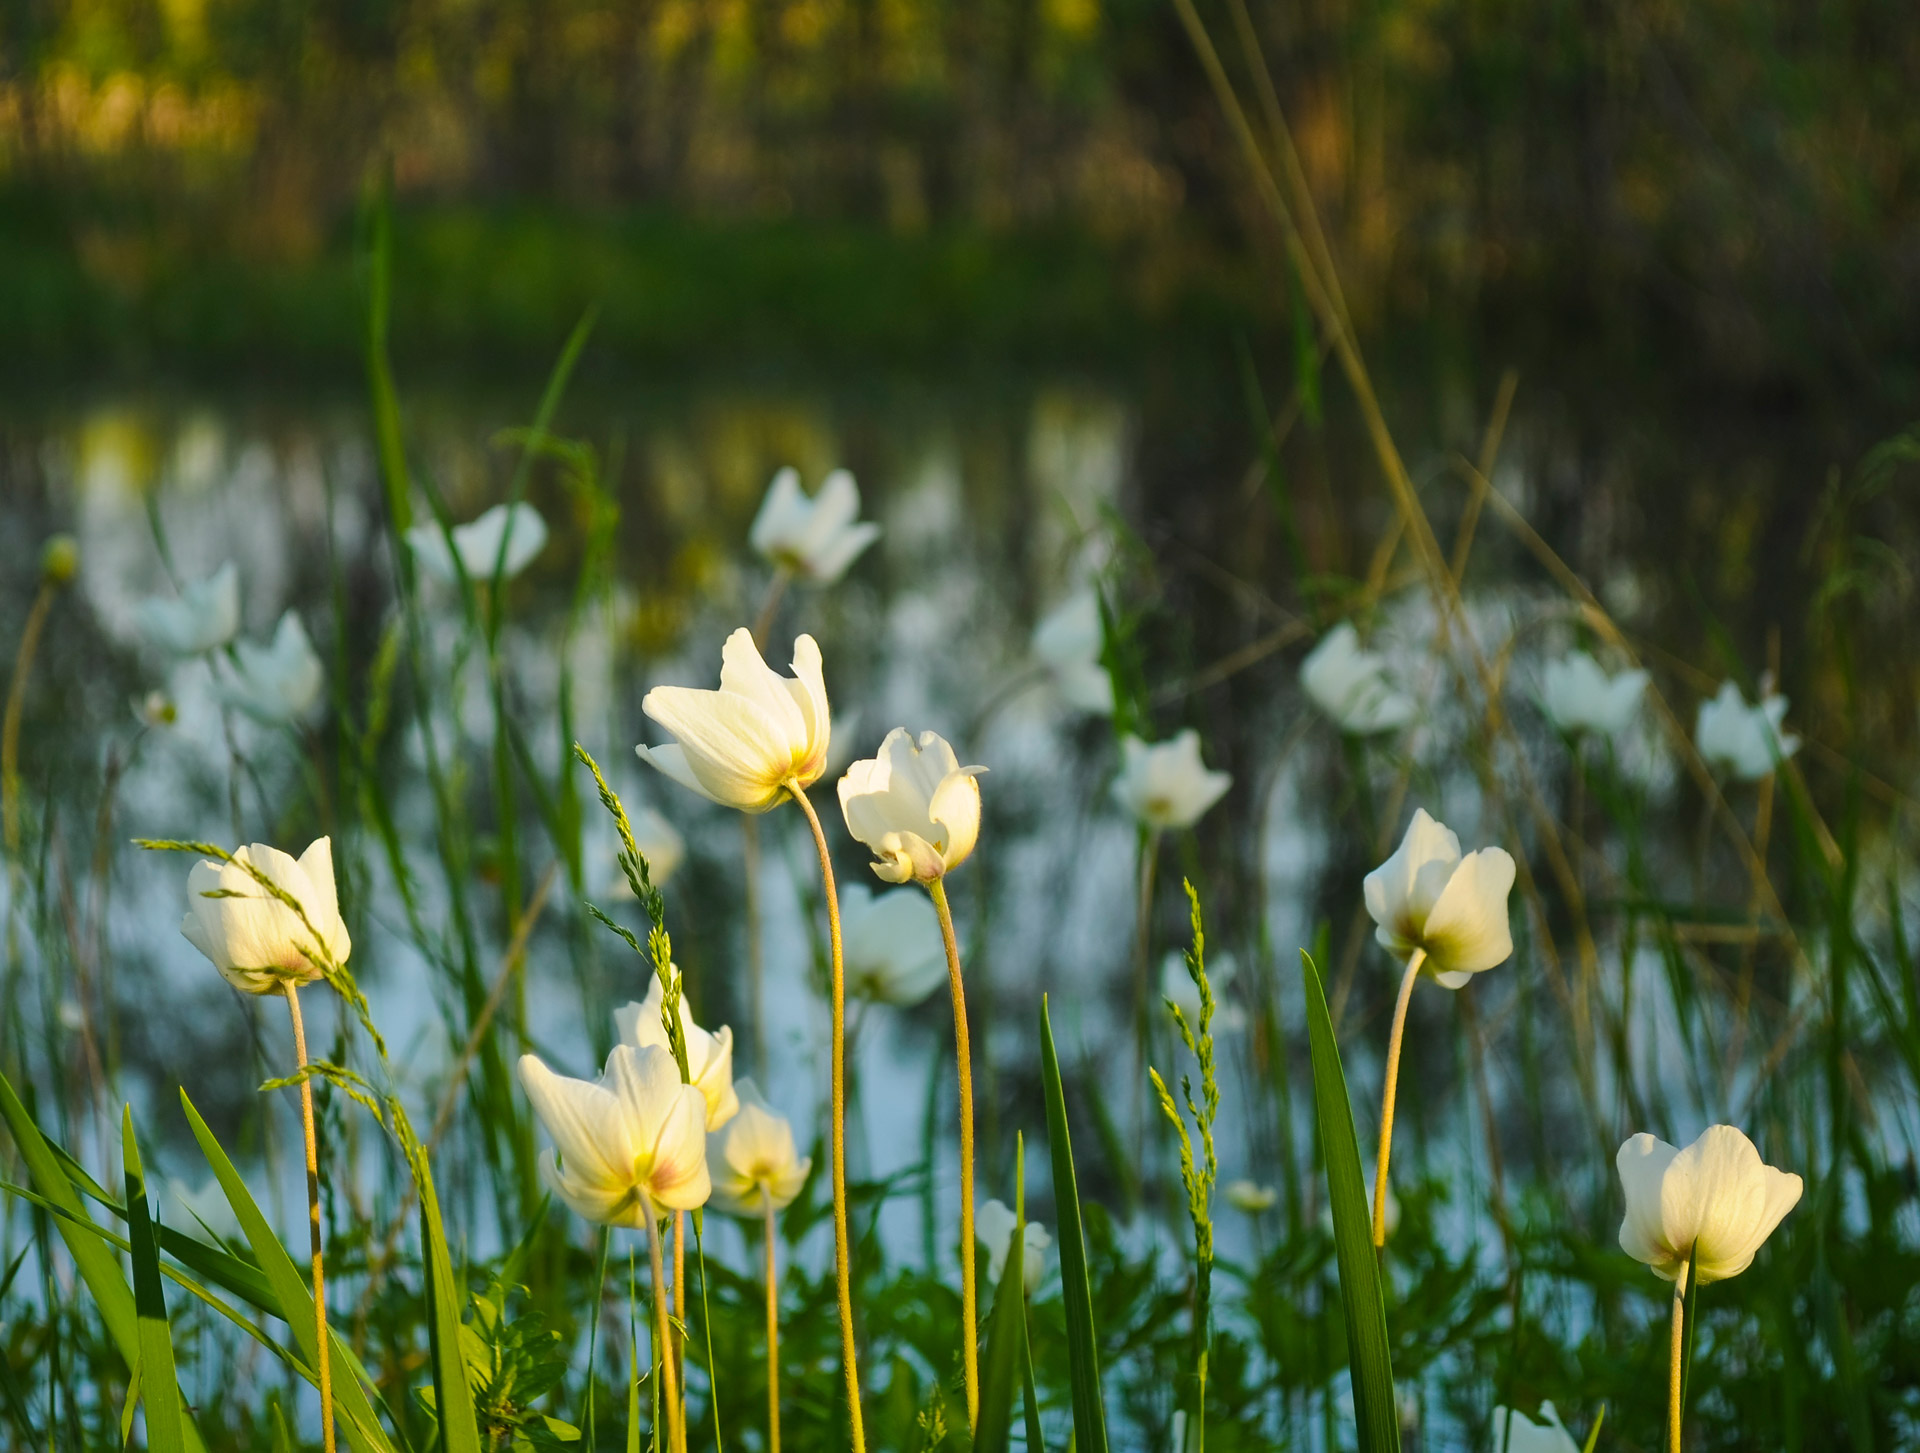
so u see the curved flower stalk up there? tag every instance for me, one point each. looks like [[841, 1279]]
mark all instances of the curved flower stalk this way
[[1352, 686], [1706, 1210], [1446, 916], [1069, 641], [760, 739], [917, 810], [758, 1172], [813, 538], [893, 947], [1579, 696], [1745, 741], [1515, 1432], [204, 617], [278, 682], [269, 923], [995, 1222], [626, 1152], [507, 537]]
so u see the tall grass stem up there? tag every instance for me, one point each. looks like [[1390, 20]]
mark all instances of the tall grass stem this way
[[963, 1057]]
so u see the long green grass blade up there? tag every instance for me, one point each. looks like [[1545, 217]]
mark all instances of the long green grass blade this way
[[1083, 1338], [295, 1301], [453, 1397], [1006, 1336], [166, 1418], [1371, 1361]]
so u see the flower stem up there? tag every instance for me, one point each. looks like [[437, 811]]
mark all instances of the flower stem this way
[[963, 1054], [323, 1362], [773, 1326], [1674, 1410], [1389, 1090], [663, 1339], [680, 1303], [842, 1254]]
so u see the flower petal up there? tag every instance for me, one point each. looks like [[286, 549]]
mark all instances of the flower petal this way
[[1468, 929]]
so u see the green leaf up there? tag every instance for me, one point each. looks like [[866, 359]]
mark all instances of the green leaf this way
[[1006, 1335], [294, 1300], [459, 1430], [166, 1418], [1371, 1362], [1083, 1338], [1689, 1330], [97, 1265]]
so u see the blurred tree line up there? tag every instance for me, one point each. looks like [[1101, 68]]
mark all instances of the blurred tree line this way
[[1738, 175]]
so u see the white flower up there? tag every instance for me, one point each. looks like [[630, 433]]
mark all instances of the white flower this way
[[1515, 1432], [1176, 984], [817, 538], [1426, 896], [1166, 785], [914, 806], [633, 1144], [1580, 697], [478, 544], [1068, 641], [206, 615], [1351, 686], [890, 943], [1249, 1197], [253, 938], [753, 1159], [1743, 739], [709, 1056], [660, 844], [993, 1226], [275, 683], [1713, 1203], [742, 746]]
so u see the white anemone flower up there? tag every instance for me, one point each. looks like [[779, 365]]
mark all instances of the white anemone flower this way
[[257, 942], [993, 1225], [815, 539], [760, 734], [1741, 739], [1249, 1197], [1177, 984], [753, 1161], [206, 615], [1165, 784], [709, 1056], [1428, 897], [478, 543], [632, 1147], [279, 682], [1515, 1432], [1351, 685], [1579, 696], [914, 806], [1711, 1205], [1068, 642], [890, 943]]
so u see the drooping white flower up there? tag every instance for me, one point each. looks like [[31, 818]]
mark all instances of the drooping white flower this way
[[1176, 984], [478, 544], [741, 746], [890, 944], [818, 538], [1351, 685], [709, 1056], [278, 682], [1427, 896], [914, 806], [1250, 1197], [1578, 696], [753, 1159], [1713, 1203], [1165, 784], [632, 1145], [993, 1225], [206, 615], [1741, 739], [251, 936], [1068, 642], [1515, 1432]]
